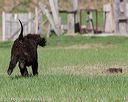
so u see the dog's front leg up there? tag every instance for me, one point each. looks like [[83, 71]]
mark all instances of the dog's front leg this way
[[35, 68]]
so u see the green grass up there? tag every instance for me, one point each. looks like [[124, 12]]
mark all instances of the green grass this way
[[70, 74], [64, 18], [99, 15]]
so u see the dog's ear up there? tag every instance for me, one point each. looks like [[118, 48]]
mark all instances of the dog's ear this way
[[21, 32]]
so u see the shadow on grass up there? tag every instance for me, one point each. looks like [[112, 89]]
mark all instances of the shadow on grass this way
[[21, 77]]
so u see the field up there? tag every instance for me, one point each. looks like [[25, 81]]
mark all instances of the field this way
[[71, 69]]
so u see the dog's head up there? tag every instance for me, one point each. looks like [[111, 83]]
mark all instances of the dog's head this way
[[40, 41], [37, 39]]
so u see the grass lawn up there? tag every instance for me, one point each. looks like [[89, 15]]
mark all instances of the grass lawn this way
[[71, 69]]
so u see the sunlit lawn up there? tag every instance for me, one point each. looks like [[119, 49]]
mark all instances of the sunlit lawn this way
[[71, 69]]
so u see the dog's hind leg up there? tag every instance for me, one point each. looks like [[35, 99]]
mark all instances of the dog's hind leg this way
[[23, 70], [12, 65], [35, 68]]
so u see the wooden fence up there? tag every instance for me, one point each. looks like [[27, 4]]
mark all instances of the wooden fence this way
[[11, 26]]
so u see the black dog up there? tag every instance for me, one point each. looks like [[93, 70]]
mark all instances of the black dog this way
[[24, 51]]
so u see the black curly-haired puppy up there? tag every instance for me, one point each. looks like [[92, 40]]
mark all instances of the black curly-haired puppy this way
[[24, 51]]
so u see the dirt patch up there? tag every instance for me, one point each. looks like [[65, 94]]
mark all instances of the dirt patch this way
[[88, 70], [87, 46]]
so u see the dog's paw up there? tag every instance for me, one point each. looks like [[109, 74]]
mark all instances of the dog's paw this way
[[9, 72]]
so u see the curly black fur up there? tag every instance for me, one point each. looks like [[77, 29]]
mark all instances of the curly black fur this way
[[24, 51]]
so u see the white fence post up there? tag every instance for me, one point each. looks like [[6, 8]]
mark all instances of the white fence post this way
[[3, 25], [71, 23], [55, 13], [75, 4], [48, 15], [36, 20], [29, 24], [108, 26]]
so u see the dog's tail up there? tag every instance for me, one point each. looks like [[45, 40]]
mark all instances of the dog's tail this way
[[21, 32]]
